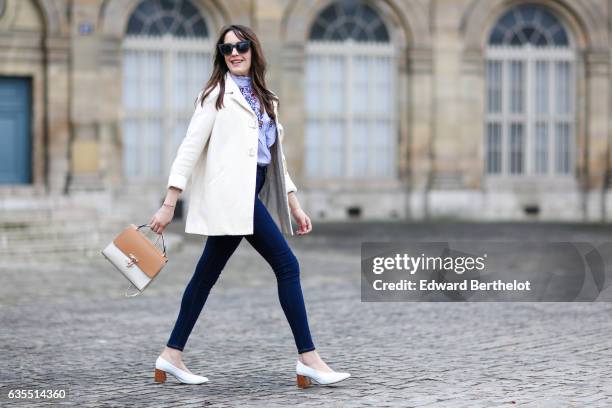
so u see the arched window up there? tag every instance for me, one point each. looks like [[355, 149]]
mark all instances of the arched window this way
[[529, 127], [349, 19], [166, 61], [177, 18], [350, 95]]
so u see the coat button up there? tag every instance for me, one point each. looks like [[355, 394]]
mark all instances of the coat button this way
[[251, 152]]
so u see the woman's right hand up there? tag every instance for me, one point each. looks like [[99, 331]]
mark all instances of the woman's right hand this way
[[161, 219]]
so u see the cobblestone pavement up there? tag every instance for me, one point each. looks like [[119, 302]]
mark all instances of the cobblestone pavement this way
[[68, 327]]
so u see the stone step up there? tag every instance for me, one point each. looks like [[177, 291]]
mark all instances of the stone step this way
[[58, 231], [75, 250], [33, 247]]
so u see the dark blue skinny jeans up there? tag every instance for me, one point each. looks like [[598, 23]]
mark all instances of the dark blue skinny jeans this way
[[268, 240]]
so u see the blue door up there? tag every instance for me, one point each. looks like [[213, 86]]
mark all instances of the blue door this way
[[15, 131]]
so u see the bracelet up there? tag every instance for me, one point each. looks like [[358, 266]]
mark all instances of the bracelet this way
[[167, 205]]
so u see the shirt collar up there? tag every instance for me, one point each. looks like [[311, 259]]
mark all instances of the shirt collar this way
[[241, 80]]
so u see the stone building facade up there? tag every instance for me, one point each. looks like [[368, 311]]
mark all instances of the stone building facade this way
[[407, 109]]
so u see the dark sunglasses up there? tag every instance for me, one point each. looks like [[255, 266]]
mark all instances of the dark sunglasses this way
[[241, 47]]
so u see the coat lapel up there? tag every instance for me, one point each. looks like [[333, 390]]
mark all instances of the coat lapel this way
[[232, 90]]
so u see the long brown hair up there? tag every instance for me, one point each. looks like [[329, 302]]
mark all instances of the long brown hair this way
[[257, 71]]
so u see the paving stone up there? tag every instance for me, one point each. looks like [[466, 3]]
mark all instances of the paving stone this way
[[67, 326]]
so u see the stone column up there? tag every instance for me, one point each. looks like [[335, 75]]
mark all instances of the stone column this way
[[57, 113], [86, 97], [473, 108], [285, 70], [420, 108], [448, 142], [597, 131]]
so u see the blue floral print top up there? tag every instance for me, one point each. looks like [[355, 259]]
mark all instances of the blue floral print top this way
[[267, 127]]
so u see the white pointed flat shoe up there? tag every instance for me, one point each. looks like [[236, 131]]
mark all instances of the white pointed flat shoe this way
[[162, 367], [305, 374]]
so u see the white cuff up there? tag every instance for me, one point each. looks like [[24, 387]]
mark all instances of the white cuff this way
[[178, 181], [289, 185]]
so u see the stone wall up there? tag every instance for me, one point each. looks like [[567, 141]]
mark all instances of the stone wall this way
[[73, 55]]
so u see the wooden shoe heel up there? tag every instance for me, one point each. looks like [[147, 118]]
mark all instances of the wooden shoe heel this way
[[302, 381], [160, 375]]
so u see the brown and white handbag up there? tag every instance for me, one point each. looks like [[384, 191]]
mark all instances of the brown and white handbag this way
[[136, 257]]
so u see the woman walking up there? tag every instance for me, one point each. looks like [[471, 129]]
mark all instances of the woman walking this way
[[240, 187]]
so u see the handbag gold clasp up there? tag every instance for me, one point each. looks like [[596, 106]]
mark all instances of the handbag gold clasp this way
[[133, 260]]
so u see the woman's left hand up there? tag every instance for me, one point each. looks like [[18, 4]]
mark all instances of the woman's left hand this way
[[303, 221]]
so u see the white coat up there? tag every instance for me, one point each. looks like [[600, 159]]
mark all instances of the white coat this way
[[219, 156]]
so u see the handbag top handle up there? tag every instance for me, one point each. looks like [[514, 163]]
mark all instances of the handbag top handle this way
[[162, 235]]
